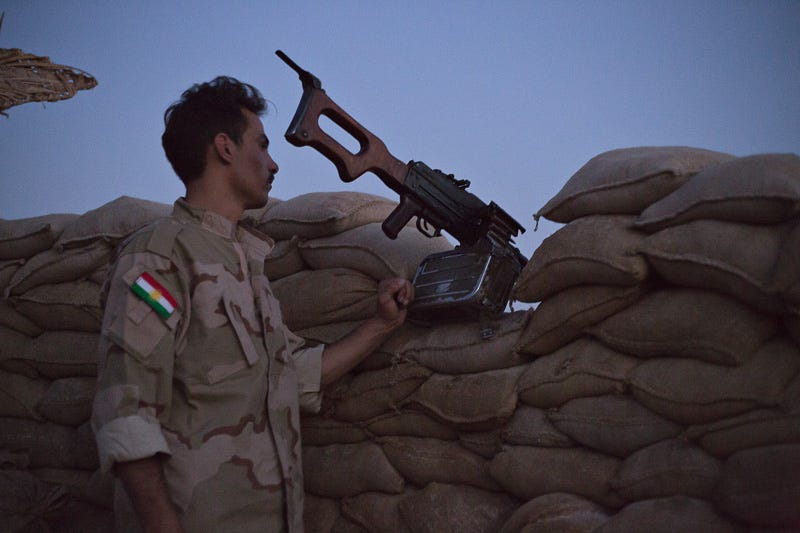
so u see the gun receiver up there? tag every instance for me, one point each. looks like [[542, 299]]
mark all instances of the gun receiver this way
[[473, 280]]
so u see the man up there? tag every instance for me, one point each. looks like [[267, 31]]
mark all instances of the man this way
[[200, 381]]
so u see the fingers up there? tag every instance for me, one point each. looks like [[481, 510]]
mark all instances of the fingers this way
[[398, 289]]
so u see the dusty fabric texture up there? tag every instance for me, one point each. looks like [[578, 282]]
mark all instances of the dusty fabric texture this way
[[24, 238], [228, 422], [627, 180], [667, 515], [592, 250], [758, 189], [556, 512]]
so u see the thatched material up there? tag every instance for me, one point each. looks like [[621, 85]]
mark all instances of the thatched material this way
[[28, 78]]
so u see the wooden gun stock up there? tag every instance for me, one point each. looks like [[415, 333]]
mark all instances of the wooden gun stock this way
[[304, 130]]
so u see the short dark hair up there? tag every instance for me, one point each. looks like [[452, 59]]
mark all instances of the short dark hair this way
[[203, 111]]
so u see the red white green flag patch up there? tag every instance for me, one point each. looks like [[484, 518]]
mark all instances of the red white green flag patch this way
[[151, 291]]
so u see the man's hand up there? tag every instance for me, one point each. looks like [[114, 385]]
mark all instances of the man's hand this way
[[394, 297]]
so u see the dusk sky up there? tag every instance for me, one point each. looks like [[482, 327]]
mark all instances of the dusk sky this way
[[513, 95]]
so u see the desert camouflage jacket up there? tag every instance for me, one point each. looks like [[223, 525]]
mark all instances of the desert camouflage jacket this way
[[197, 364]]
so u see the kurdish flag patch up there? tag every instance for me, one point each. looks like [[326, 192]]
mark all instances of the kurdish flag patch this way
[[156, 296]]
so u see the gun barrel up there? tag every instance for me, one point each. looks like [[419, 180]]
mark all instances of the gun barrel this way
[[305, 76]]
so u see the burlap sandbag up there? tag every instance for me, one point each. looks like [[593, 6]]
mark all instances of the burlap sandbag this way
[[53, 266], [758, 189], [49, 445], [530, 427], [367, 249], [440, 507], [760, 427], [7, 270], [594, 250], [695, 392], [473, 402], [761, 486], [785, 280], [369, 394], [320, 514], [316, 297], [425, 460], [562, 318], [409, 423], [63, 306], [322, 431], [627, 180], [343, 470], [667, 468], [24, 238], [94, 487], [60, 354], [556, 513], [730, 257], [374, 511], [582, 368], [27, 502], [682, 322], [614, 424], [68, 401], [112, 221], [487, 444], [527, 472], [459, 348], [19, 395], [13, 319], [319, 214], [253, 217], [284, 260], [668, 515]]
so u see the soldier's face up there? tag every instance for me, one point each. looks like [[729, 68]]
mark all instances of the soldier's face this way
[[254, 168]]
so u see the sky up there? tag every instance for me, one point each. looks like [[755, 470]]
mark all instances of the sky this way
[[513, 95]]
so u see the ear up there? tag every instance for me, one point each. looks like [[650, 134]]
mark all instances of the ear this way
[[223, 146]]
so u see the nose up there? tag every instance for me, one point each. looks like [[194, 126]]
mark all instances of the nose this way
[[272, 165]]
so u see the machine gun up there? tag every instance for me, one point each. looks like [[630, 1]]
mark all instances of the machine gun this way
[[474, 280]]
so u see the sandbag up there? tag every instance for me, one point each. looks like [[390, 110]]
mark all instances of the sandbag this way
[[72, 306], [7, 270], [322, 431], [758, 189], [94, 487], [343, 470], [761, 486], [53, 354], [593, 250], [473, 402], [760, 427], [556, 513], [320, 214], [68, 401], [694, 392], [369, 394], [13, 349], [530, 427], [627, 180], [667, 468], [26, 502], [320, 514], [367, 249], [316, 297], [682, 322], [785, 280], [425, 460], [582, 368], [54, 266], [20, 394], [562, 318], [440, 507], [460, 348], [615, 425], [49, 445], [668, 515], [284, 260], [26, 237], [528, 472], [13, 319], [733, 258], [111, 222], [376, 512], [409, 423]]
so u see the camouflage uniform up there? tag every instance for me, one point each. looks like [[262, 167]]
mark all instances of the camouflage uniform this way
[[216, 386]]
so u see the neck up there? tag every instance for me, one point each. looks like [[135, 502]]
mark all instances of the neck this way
[[204, 195]]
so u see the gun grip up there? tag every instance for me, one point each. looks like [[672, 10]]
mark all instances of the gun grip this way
[[398, 218]]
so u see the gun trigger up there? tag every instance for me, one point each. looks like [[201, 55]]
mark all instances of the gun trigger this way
[[424, 228]]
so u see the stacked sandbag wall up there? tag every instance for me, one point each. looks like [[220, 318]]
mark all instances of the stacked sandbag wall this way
[[666, 343]]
